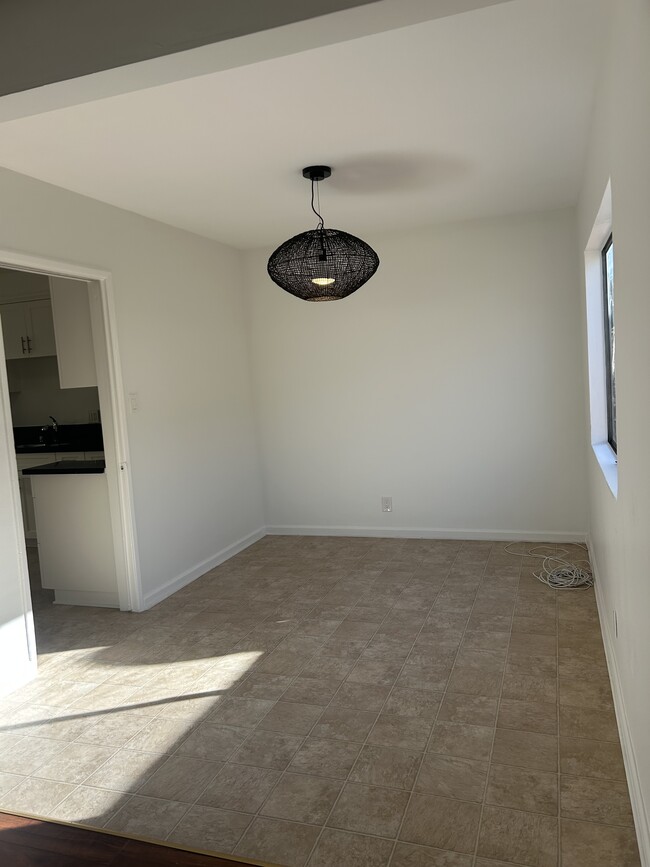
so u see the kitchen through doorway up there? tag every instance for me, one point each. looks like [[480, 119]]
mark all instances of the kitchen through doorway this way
[[66, 440], [56, 418]]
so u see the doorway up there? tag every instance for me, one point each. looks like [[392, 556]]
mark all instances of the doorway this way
[[17, 635]]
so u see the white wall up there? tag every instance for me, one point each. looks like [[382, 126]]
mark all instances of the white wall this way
[[181, 330], [452, 382], [620, 541]]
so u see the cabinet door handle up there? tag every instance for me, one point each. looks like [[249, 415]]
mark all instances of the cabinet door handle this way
[[29, 344], [22, 341]]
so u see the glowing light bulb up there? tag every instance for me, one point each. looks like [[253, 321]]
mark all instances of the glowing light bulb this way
[[323, 281]]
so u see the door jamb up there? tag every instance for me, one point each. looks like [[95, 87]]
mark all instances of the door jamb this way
[[28, 671]]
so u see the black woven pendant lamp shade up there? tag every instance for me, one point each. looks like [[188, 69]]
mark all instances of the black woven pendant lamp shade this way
[[322, 264]]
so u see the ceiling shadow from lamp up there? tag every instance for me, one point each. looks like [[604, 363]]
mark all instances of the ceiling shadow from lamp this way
[[322, 264], [380, 173]]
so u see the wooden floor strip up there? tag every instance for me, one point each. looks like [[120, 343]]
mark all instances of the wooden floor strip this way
[[31, 842]]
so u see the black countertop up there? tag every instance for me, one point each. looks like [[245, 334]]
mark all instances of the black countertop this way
[[68, 438], [44, 448], [66, 468]]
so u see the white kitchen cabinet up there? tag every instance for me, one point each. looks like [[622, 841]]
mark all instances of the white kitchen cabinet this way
[[25, 485], [28, 329], [75, 539], [13, 330], [75, 352], [27, 505], [39, 315]]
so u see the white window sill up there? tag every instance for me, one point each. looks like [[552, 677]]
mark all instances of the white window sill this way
[[606, 458]]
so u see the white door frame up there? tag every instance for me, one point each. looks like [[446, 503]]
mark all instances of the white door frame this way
[[113, 407], [23, 662]]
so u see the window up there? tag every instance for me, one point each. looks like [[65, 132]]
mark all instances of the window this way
[[607, 257], [599, 305]]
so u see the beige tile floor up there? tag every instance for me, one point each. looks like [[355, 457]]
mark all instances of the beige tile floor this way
[[322, 701]]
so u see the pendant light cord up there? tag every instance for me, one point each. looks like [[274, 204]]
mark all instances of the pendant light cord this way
[[321, 224]]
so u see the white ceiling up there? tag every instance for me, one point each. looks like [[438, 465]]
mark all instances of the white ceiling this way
[[476, 114]]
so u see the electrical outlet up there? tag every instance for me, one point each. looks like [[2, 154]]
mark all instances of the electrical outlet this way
[[387, 504], [93, 416]]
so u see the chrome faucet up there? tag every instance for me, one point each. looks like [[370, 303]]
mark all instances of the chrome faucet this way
[[49, 433]]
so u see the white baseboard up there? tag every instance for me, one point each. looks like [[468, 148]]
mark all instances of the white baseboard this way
[[96, 599], [641, 817], [156, 596], [429, 533]]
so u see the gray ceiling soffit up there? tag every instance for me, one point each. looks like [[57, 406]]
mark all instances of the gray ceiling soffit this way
[[42, 42]]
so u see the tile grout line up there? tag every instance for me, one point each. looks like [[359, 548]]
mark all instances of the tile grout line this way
[[365, 741], [392, 688], [496, 721], [326, 707], [481, 580], [225, 761], [124, 746], [323, 641], [256, 728], [168, 755], [444, 694]]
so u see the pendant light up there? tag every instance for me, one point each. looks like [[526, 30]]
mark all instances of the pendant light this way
[[322, 264]]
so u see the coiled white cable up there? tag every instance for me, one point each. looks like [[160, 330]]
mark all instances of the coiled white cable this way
[[565, 576]]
